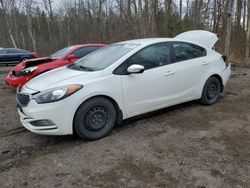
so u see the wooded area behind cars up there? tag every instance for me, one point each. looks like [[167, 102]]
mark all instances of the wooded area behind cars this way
[[47, 25]]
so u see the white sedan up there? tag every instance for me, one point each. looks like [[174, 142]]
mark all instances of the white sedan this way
[[123, 80]]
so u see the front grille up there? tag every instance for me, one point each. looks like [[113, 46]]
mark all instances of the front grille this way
[[22, 99]]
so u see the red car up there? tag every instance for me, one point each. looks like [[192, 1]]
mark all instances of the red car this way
[[28, 69]]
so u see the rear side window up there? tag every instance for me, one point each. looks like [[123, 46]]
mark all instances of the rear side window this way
[[13, 51], [185, 51], [153, 56], [3, 51], [85, 51], [24, 51]]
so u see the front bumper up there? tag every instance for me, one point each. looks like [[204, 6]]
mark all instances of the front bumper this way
[[14, 82], [59, 113]]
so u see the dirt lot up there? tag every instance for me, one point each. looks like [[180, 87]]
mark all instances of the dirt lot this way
[[184, 146]]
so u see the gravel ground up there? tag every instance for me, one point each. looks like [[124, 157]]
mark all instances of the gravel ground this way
[[188, 145]]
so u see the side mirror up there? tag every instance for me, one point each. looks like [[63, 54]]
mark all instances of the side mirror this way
[[135, 69], [70, 57]]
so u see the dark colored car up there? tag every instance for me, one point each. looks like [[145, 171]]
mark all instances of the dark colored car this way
[[14, 55]]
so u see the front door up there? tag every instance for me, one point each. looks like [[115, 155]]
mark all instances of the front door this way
[[155, 87]]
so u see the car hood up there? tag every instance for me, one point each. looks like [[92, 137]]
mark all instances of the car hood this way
[[60, 77], [37, 61], [32, 62], [204, 38]]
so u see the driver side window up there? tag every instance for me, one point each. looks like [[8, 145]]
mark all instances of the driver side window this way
[[153, 56]]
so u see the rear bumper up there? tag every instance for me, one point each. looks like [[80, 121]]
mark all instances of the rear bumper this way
[[225, 74]]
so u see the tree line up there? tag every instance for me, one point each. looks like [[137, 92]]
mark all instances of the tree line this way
[[48, 25]]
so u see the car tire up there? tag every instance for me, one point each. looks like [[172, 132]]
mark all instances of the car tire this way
[[211, 91], [95, 118]]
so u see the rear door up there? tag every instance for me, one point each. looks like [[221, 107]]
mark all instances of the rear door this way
[[13, 55], [191, 64]]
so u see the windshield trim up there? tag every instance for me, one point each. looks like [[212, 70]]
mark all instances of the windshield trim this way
[[67, 51], [96, 56]]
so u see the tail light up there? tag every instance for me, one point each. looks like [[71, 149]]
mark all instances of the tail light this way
[[225, 59]]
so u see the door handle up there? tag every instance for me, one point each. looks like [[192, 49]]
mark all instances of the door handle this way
[[204, 63], [169, 73]]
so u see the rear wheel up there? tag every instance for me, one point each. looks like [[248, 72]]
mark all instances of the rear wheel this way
[[211, 91], [95, 118]]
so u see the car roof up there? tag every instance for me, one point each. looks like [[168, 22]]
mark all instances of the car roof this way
[[15, 49], [146, 40], [200, 37], [86, 45]]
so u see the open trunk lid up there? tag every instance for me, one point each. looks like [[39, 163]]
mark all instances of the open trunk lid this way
[[202, 37]]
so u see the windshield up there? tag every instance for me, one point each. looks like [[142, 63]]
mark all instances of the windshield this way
[[104, 57], [61, 53]]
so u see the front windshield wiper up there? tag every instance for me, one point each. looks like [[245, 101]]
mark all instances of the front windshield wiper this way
[[79, 67], [85, 68]]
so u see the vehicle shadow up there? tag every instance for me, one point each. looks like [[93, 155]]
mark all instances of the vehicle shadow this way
[[15, 156], [169, 111]]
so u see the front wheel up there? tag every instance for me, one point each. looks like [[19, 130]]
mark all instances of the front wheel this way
[[95, 118], [211, 91]]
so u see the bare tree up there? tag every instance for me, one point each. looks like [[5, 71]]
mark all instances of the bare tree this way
[[44, 26], [180, 6], [28, 7], [49, 10], [229, 9], [154, 22], [248, 35], [3, 4], [244, 14]]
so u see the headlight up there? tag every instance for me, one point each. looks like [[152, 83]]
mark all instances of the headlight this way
[[29, 70], [56, 94]]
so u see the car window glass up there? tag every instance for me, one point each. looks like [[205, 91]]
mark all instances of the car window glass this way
[[24, 51], [104, 57], [185, 51], [13, 51], [85, 51], [150, 57], [2, 51], [61, 53]]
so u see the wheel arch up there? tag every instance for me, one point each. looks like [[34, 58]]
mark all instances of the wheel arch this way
[[117, 108], [204, 80], [220, 80]]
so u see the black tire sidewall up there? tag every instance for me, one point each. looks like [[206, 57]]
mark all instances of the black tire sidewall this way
[[79, 126], [204, 98]]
